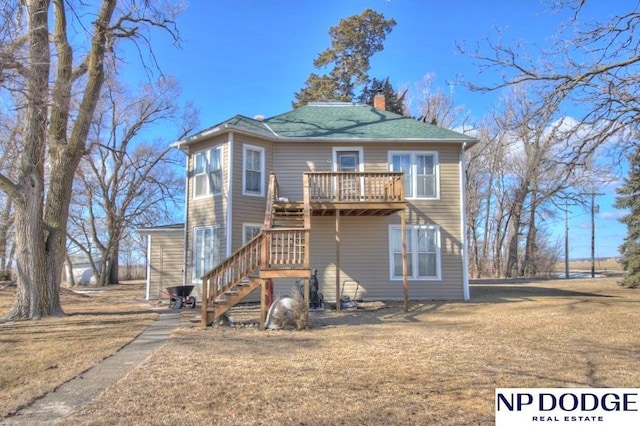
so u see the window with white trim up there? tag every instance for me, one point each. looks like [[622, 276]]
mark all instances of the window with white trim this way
[[253, 170], [206, 250], [249, 231], [420, 172], [207, 172], [423, 252]]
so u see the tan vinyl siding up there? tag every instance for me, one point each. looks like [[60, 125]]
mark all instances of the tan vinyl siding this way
[[293, 159], [248, 208], [208, 210], [364, 250], [165, 261], [364, 258]]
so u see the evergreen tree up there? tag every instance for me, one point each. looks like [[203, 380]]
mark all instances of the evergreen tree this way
[[353, 41], [629, 198], [394, 101]]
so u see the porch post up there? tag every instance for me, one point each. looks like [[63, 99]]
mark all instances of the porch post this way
[[263, 304], [306, 301], [405, 265], [337, 260]]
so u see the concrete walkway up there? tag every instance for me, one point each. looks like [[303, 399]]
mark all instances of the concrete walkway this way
[[78, 392]]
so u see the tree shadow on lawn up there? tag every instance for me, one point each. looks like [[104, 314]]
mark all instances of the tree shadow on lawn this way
[[501, 293], [389, 313], [419, 310]]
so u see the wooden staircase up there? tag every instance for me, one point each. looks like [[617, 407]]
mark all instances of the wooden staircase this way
[[280, 250]]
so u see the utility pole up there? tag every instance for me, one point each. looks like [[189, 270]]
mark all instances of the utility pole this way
[[566, 240], [593, 232]]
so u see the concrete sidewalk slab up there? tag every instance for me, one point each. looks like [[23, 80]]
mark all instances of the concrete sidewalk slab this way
[[81, 390]]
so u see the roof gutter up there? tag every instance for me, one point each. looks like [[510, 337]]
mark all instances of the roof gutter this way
[[183, 143], [195, 138]]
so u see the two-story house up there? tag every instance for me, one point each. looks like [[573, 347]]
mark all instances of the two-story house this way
[[330, 187]]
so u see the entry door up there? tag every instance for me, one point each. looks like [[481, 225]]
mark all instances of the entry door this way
[[349, 187]]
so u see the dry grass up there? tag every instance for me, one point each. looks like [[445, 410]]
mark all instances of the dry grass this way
[[601, 265], [438, 364], [38, 356]]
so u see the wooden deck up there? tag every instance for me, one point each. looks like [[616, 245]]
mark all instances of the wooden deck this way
[[282, 248]]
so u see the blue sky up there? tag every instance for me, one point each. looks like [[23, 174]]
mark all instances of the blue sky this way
[[250, 56]]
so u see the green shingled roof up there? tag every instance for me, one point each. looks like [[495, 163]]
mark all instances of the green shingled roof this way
[[349, 121], [336, 120]]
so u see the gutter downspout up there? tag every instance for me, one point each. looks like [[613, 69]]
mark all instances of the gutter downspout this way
[[230, 197], [148, 290], [463, 225], [186, 218]]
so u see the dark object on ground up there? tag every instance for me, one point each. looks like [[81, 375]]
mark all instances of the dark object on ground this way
[[180, 296], [316, 299]]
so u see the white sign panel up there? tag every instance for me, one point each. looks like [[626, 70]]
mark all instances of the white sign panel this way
[[567, 406]]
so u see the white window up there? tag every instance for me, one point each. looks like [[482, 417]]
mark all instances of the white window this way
[[253, 170], [206, 250], [420, 172], [207, 172], [423, 252], [249, 231]]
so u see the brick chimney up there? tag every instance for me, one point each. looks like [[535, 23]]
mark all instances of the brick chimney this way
[[379, 102]]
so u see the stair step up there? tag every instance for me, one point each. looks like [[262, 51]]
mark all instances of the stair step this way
[[231, 292]]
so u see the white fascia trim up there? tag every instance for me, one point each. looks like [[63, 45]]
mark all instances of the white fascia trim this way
[[230, 196], [148, 290], [374, 140], [463, 227]]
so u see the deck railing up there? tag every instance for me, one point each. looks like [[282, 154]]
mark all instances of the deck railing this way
[[355, 186], [284, 248]]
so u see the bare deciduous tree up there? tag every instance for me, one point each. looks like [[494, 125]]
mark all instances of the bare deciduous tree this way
[[125, 181], [514, 178], [592, 70], [435, 105], [39, 61]]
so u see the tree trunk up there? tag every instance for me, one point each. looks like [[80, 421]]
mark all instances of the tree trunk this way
[[68, 266], [34, 298], [511, 269], [529, 267], [5, 225], [115, 268]]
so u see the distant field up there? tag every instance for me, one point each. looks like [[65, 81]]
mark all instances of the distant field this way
[[603, 264]]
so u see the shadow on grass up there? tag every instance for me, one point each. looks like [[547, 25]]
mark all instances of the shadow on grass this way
[[109, 313], [492, 293]]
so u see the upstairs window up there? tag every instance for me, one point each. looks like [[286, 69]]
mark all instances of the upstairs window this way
[[253, 173], [207, 172], [420, 173]]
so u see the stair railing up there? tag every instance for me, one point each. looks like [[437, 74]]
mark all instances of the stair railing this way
[[231, 272]]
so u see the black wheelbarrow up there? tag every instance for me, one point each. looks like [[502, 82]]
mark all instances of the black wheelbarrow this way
[[180, 296]]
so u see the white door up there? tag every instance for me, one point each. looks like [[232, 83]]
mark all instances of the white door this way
[[347, 186]]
